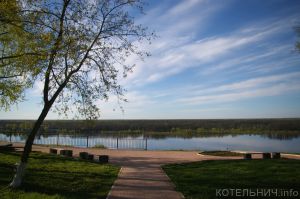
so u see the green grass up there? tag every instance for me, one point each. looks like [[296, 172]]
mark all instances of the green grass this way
[[292, 153], [220, 153], [99, 146], [54, 145], [200, 180], [50, 176]]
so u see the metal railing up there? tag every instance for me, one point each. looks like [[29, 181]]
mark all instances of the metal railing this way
[[82, 141]]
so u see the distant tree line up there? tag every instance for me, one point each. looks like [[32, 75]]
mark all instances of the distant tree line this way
[[175, 126]]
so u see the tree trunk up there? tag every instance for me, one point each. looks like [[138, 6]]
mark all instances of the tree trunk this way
[[27, 148]]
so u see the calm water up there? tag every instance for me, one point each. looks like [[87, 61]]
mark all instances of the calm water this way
[[239, 142]]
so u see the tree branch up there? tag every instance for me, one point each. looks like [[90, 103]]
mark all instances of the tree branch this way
[[55, 78], [3, 33], [54, 51], [20, 55], [101, 71], [10, 76], [98, 35]]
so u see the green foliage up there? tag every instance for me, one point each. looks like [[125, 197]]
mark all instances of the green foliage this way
[[21, 54], [191, 125], [57, 177], [274, 128], [99, 146], [221, 153], [201, 179]]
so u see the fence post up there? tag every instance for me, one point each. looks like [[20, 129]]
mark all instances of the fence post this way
[[117, 142], [57, 139], [87, 141], [10, 137], [146, 144]]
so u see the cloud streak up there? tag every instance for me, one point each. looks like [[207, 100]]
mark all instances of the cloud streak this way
[[247, 89], [230, 97]]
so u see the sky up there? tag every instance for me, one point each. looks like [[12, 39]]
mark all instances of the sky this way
[[212, 59]]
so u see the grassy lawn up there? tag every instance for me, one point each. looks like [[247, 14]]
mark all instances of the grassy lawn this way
[[292, 153], [220, 153], [200, 180], [50, 176]]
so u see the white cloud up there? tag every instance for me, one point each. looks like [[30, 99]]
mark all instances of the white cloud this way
[[183, 7], [255, 87], [229, 97], [258, 82], [249, 59], [37, 89], [137, 102], [174, 53]]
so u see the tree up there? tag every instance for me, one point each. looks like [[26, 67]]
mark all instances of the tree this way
[[84, 45]]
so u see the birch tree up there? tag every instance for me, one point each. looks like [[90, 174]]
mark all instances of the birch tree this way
[[84, 46]]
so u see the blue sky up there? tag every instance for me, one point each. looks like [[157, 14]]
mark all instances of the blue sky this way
[[212, 59]]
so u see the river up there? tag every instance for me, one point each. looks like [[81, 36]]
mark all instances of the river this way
[[227, 142]]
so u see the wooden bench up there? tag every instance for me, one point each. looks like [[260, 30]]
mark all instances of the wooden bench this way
[[103, 158], [66, 152], [53, 150], [7, 147], [247, 156], [60, 151], [83, 155], [266, 155], [88, 156], [274, 155]]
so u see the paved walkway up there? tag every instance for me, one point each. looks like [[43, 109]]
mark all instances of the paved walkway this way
[[141, 176], [138, 183]]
